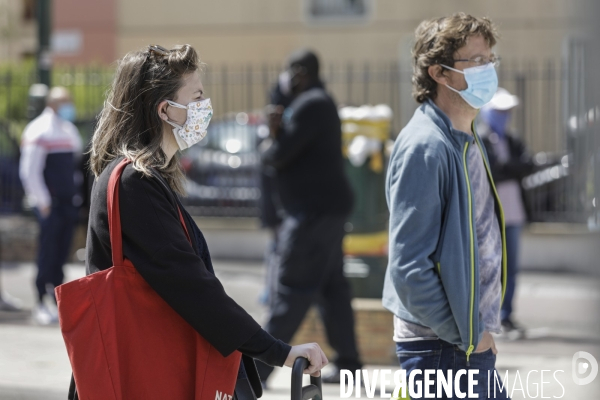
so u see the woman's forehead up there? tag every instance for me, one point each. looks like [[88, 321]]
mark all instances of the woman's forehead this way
[[191, 84]]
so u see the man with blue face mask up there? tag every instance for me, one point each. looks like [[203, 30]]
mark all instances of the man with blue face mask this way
[[509, 163], [50, 150], [447, 267]]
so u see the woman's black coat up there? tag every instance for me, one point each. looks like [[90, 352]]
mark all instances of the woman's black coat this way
[[155, 242]]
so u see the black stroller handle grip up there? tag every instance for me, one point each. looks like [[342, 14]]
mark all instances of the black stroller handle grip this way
[[313, 391]]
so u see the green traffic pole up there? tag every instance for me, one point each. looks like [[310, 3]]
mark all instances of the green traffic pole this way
[[44, 58]]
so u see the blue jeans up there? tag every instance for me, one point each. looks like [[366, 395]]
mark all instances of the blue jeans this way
[[513, 237], [54, 245], [440, 355]]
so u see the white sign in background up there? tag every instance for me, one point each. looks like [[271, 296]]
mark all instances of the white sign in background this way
[[66, 42]]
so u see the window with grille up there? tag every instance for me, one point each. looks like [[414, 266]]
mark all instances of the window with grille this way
[[338, 9], [28, 10]]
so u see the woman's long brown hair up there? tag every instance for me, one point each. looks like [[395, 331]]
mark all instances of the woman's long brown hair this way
[[129, 124]]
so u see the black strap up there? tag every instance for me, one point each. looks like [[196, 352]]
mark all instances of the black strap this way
[[252, 374], [247, 386], [73, 390]]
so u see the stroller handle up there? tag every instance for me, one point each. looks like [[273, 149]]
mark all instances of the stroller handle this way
[[313, 391]]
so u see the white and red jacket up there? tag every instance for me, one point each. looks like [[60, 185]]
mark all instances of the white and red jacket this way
[[50, 150]]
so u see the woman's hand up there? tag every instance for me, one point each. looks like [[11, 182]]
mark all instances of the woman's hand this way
[[313, 353]]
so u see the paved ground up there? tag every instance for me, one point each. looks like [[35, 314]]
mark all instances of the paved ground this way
[[560, 310]]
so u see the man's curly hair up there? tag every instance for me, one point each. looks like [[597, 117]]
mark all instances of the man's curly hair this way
[[437, 40]]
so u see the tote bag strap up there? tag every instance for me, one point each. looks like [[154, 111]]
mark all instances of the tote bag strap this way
[[114, 214]]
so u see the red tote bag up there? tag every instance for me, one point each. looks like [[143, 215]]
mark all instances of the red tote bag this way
[[125, 342]]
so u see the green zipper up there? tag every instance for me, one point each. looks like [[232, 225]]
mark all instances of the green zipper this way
[[472, 248], [502, 223]]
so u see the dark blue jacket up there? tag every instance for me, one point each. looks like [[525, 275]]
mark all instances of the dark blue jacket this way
[[307, 157]]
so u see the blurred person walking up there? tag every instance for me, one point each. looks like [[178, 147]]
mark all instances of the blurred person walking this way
[[509, 163], [280, 97], [317, 199], [445, 278], [155, 108], [50, 151]]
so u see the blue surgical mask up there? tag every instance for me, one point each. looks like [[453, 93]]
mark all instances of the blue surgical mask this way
[[482, 83], [66, 111]]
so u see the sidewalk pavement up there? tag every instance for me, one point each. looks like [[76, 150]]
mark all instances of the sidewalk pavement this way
[[560, 311]]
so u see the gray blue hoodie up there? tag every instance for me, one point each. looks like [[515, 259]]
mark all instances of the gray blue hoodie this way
[[432, 277]]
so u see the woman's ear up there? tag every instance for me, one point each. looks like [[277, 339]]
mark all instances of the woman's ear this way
[[162, 110], [436, 72]]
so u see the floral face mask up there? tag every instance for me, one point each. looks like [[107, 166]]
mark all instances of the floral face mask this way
[[195, 127]]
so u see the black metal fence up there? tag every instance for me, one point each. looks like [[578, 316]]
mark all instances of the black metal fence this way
[[11, 192], [549, 109], [567, 189], [539, 119]]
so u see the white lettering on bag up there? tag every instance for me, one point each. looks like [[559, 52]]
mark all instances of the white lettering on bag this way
[[222, 396]]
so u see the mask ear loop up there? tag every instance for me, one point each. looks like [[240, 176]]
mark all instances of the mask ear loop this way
[[172, 103], [456, 70], [176, 105]]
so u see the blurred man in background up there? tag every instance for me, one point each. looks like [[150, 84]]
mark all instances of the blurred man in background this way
[[280, 98], [509, 162], [317, 199], [50, 150]]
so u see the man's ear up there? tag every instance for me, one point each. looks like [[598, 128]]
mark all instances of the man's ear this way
[[161, 110], [436, 72]]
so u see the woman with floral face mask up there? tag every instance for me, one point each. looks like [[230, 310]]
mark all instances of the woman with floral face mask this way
[[156, 106]]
